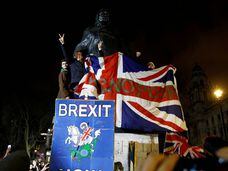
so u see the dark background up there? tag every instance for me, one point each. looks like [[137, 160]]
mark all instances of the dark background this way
[[182, 33]]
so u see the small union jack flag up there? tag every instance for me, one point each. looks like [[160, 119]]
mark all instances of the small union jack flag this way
[[177, 144]]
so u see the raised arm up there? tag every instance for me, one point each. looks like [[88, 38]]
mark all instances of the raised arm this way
[[62, 42]]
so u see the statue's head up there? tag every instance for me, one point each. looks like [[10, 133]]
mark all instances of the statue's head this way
[[103, 18]]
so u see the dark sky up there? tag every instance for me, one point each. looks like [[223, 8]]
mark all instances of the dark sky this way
[[179, 32]]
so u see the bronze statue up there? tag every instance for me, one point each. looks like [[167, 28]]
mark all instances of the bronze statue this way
[[103, 32]]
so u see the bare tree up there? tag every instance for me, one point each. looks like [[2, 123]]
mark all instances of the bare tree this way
[[22, 126]]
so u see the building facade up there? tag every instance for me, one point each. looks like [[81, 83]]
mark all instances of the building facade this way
[[206, 116]]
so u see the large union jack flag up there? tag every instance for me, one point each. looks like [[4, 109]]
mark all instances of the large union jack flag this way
[[146, 100]]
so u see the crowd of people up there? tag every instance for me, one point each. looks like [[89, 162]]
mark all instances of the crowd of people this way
[[19, 160], [38, 165]]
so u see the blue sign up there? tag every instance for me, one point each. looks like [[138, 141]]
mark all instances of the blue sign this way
[[83, 138]]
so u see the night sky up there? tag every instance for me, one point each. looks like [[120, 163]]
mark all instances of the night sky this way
[[178, 32]]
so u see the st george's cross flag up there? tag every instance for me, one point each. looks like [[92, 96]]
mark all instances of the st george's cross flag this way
[[146, 100]]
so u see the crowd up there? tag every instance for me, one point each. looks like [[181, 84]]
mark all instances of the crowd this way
[[38, 165]]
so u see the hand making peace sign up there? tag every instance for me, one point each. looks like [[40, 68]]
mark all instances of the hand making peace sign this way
[[61, 38]]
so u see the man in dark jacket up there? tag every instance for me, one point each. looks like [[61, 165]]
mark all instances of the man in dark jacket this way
[[75, 64]]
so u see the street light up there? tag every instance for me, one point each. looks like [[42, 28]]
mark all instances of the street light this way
[[218, 94], [47, 135]]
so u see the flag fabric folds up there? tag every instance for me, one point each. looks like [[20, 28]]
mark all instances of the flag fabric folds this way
[[177, 144], [146, 100]]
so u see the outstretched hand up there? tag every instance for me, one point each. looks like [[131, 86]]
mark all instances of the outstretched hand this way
[[61, 38], [46, 166]]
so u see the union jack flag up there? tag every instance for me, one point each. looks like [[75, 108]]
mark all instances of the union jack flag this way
[[177, 144], [146, 100]]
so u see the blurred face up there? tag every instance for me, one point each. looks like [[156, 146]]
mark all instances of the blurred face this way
[[78, 56], [151, 65], [64, 65], [138, 54]]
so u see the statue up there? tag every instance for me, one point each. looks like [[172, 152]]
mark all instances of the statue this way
[[103, 32]]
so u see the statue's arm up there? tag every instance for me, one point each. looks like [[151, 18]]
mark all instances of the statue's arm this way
[[86, 39]]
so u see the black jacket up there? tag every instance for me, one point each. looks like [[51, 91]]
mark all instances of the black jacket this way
[[77, 69]]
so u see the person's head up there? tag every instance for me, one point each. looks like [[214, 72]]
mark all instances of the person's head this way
[[213, 143], [103, 18], [118, 166], [39, 160], [64, 64], [150, 65], [138, 54], [78, 55], [42, 164]]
